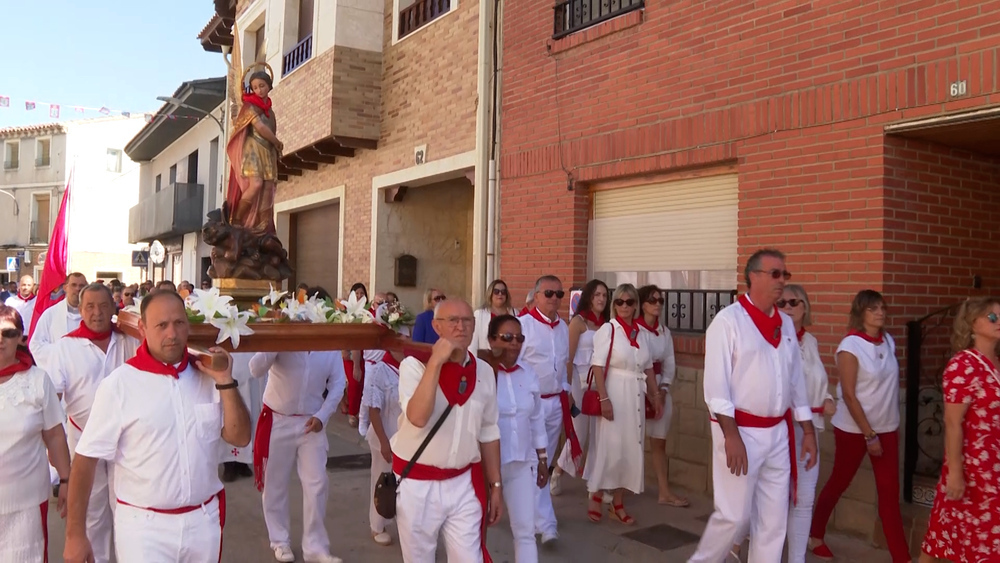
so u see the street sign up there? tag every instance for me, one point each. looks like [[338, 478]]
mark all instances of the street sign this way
[[13, 264]]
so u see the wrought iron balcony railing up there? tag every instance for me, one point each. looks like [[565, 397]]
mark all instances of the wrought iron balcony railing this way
[[574, 15], [692, 310]]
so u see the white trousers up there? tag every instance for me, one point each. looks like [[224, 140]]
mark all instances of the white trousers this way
[[22, 536], [379, 466], [545, 515], [151, 537], [763, 491], [800, 515], [583, 425], [426, 509], [519, 489], [101, 507], [291, 446]]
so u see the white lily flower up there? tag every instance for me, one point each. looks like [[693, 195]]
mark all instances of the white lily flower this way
[[232, 327], [272, 296], [393, 317], [294, 310], [355, 309], [315, 310], [208, 302]]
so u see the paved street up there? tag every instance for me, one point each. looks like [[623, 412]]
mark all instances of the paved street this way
[[661, 533]]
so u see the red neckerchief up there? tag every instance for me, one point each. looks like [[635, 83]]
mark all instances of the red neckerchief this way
[[144, 361], [769, 327], [630, 331], [255, 100], [524, 311], [452, 375], [864, 335], [538, 317], [505, 369], [590, 316], [85, 332], [18, 295], [655, 329], [388, 359], [800, 333], [22, 362]]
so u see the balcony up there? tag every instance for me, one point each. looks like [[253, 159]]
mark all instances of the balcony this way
[[297, 56], [692, 310], [42, 161], [12, 164], [38, 233], [173, 211], [420, 14], [574, 15]]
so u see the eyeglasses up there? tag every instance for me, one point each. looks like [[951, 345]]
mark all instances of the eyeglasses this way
[[10, 333], [992, 317], [656, 301], [781, 303], [454, 321], [508, 337], [499, 291], [548, 293], [776, 273], [626, 302], [438, 298], [128, 295]]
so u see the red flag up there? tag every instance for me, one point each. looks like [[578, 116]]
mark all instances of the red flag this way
[[56, 261]]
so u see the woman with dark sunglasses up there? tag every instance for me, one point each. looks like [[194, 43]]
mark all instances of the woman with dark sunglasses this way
[[496, 302], [523, 438], [615, 462], [967, 498], [661, 349], [594, 310], [866, 422]]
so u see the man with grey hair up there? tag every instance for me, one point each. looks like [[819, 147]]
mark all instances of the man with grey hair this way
[[546, 351], [78, 364]]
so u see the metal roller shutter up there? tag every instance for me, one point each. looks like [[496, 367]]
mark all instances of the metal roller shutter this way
[[316, 246]]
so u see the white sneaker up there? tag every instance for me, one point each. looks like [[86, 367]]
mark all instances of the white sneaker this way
[[549, 538], [322, 558], [284, 554], [554, 488], [382, 538]]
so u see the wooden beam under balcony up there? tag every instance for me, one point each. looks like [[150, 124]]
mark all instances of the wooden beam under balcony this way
[[355, 142], [282, 177], [295, 161], [285, 170], [311, 154], [333, 148]]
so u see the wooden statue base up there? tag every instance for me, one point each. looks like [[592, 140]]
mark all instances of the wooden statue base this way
[[244, 292]]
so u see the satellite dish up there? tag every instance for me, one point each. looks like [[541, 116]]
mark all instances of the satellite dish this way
[[157, 253]]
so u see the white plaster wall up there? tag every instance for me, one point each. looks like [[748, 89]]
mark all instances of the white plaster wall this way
[[26, 180]]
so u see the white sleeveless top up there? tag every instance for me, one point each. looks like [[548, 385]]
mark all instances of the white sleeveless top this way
[[584, 349]]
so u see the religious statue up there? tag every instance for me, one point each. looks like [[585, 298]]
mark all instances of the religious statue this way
[[242, 232]]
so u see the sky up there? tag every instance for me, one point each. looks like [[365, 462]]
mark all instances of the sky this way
[[118, 54]]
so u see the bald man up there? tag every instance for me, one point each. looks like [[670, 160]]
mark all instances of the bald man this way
[[24, 300]]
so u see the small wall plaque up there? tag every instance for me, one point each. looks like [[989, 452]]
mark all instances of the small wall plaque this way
[[406, 271]]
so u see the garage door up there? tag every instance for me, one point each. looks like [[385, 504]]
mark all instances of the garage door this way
[[677, 235], [316, 246]]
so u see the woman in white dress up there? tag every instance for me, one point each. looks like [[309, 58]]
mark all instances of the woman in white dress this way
[[593, 311], [496, 302], [523, 439], [661, 350], [31, 422], [615, 462], [379, 419]]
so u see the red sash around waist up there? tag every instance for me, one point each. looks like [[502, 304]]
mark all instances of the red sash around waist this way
[[657, 368], [817, 410], [73, 423], [748, 420], [575, 450]]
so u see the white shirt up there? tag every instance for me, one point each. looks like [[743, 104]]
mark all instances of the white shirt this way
[[57, 321], [25, 308], [77, 366], [661, 349], [624, 356], [743, 371], [161, 433], [522, 423], [381, 392], [296, 381], [28, 405], [546, 351], [877, 387], [817, 382], [456, 443]]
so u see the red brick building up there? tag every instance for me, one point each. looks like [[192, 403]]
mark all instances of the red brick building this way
[[664, 142]]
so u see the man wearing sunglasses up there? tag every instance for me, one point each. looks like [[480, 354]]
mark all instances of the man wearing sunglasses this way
[[754, 387], [546, 351], [58, 320]]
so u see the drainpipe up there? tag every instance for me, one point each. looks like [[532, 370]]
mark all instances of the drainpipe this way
[[493, 191], [491, 221]]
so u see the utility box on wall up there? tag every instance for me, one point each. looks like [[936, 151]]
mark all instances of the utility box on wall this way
[[406, 271]]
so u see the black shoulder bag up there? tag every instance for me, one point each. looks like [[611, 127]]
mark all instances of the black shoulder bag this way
[[386, 487]]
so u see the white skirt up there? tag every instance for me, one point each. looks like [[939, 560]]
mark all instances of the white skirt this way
[[615, 457], [22, 537]]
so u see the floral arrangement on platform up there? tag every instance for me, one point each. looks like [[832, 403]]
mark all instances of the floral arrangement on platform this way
[[395, 315], [211, 307]]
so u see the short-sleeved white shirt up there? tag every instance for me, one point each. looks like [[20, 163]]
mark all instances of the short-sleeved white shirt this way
[[522, 423], [77, 366], [161, 433], [28, 405], [877, 387], [381, 392]]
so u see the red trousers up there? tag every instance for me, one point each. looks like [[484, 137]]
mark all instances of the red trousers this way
[[850, 452], [354, 388]]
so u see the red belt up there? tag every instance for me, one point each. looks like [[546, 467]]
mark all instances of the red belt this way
[[817, 410], [748, 420], [550, 395], [73, 422], [576, 452], [421, 472], [221, 495]]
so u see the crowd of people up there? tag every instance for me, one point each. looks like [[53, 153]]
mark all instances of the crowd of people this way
[[507, 405]]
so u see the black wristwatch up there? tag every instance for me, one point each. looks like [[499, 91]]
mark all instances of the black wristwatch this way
[[232, 385]]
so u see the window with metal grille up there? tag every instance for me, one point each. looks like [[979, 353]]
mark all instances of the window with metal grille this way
[[414, 14], [574, 15]]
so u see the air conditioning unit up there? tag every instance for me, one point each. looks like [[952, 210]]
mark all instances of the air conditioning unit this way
[[27, 256]]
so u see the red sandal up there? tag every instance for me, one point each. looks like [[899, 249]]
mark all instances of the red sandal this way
[[627, 519], [820, 550], [595, 515]]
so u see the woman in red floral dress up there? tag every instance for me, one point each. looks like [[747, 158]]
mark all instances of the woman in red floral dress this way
[[965, 522]]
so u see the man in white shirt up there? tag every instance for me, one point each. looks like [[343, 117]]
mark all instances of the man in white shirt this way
[[290, 429], [24, 300], [754, 387], [159, 418], [78, 364], [445, 490], [546, 351], [57, 321]]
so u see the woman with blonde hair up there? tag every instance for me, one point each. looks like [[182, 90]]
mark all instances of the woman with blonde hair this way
[[623, 377], [496, 302], [967, 498], [422, 329]]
